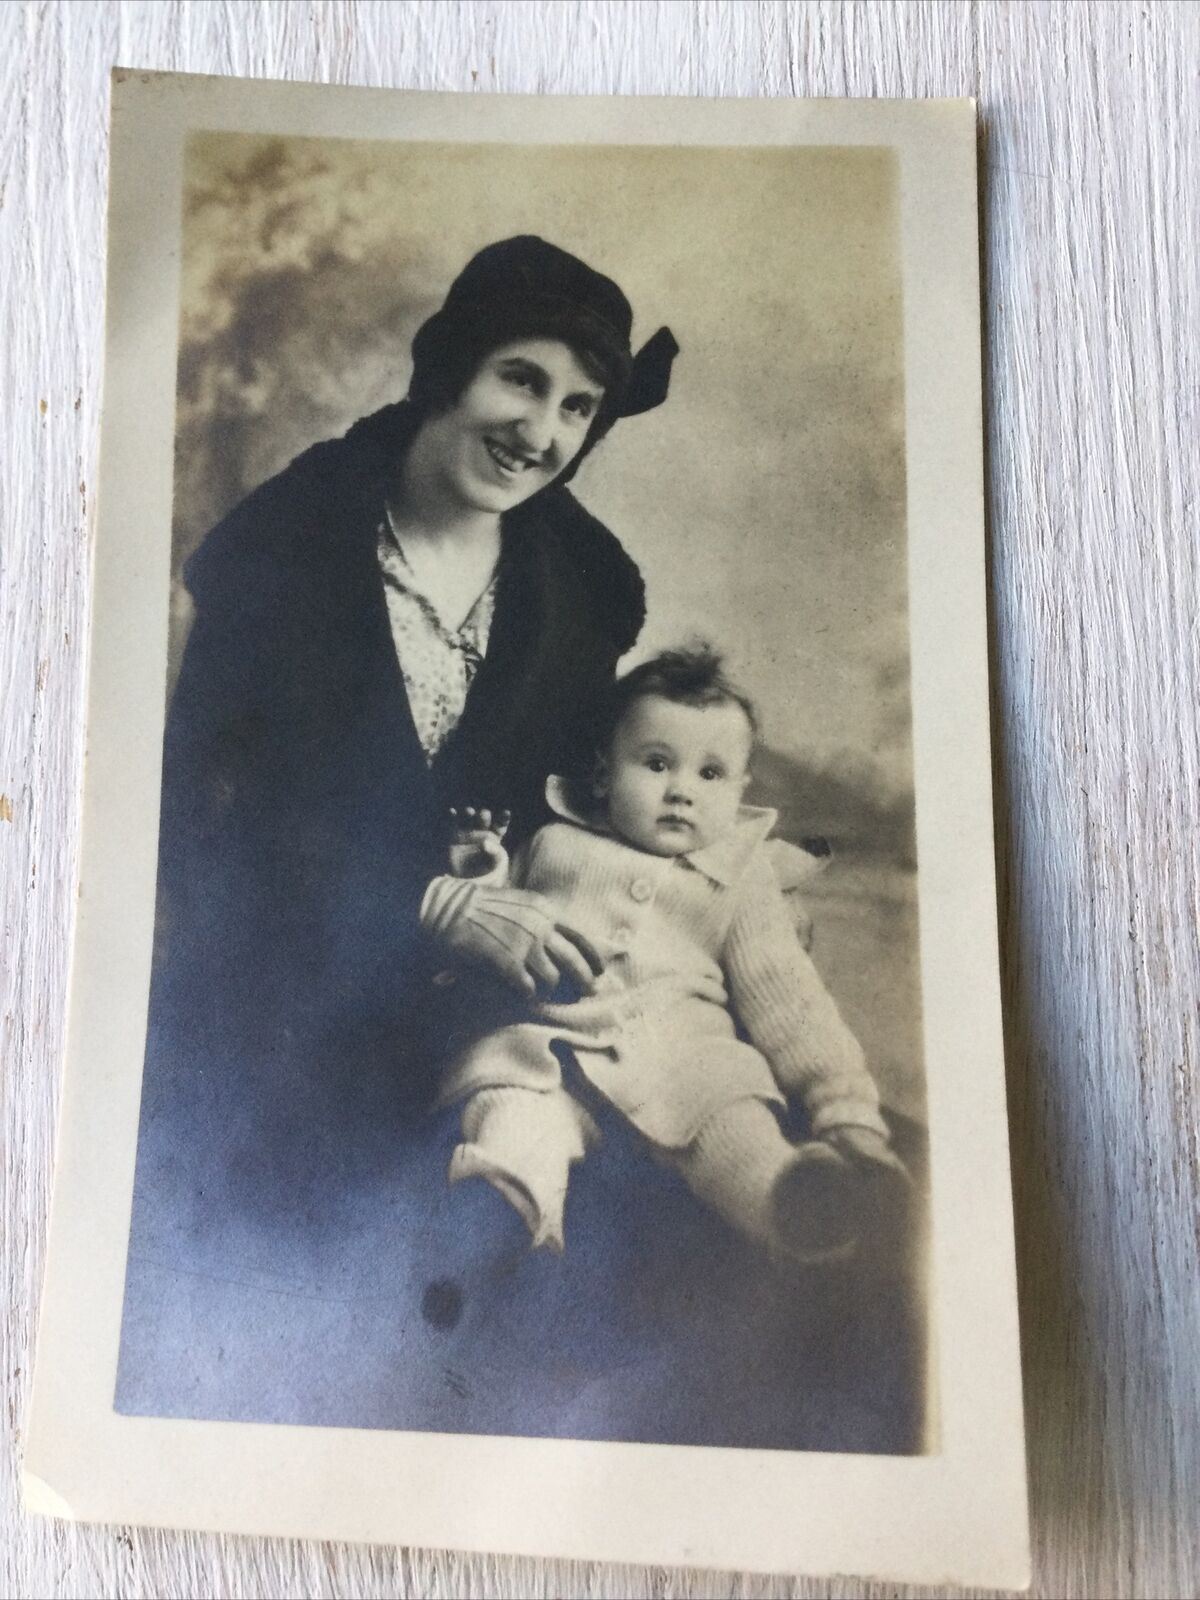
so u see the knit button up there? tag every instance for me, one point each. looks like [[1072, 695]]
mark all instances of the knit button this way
[[622, 931], [445, 980], [641, 889]]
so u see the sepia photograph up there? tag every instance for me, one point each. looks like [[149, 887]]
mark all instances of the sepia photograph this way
[[534, 1029], [535, 1076]]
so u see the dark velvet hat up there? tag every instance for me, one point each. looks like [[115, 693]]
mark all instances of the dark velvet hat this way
[[525, 287]]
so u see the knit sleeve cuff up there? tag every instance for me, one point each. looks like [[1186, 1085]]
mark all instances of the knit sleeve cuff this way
[[444, 900]]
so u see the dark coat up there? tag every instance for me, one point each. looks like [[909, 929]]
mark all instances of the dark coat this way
[[301, 822]]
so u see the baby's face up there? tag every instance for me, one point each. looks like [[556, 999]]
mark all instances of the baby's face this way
[[674, 776]]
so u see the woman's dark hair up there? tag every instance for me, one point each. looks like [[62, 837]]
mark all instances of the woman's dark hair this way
[[693, 676]]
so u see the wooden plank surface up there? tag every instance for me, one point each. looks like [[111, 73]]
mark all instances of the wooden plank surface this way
[[1090, 161]]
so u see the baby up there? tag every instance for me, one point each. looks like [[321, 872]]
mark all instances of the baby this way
[[664, 870]]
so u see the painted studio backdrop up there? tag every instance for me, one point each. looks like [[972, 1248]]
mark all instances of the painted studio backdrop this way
[[764, 503]]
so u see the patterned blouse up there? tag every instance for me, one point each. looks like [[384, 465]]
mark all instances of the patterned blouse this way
[[438, 663]]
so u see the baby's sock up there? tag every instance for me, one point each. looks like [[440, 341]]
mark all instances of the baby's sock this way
[[798, 1199], [734, 1163]]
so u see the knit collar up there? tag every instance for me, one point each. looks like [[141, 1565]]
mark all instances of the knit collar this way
[[723, 861]]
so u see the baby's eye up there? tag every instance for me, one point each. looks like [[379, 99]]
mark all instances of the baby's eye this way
[[712, 773], [656, 763]]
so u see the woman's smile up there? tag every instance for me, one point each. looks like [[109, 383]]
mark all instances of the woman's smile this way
[[511, 462]]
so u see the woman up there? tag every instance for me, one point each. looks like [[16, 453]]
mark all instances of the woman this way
[[416, 617], [409, 619]]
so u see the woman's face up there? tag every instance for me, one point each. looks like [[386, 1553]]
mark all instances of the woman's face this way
[[521, 420]]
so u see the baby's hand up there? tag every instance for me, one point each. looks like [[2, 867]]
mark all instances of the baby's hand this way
[[863, 1145], [476, 846]]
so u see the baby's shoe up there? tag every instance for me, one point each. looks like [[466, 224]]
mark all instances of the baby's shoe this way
[[813, 1205]]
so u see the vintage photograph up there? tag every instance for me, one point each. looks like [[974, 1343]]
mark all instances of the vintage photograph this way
[[534, 1074], [534, 1036]]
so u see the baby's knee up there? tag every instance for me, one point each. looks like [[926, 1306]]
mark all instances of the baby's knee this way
[[517, 1119], [524, 1144]]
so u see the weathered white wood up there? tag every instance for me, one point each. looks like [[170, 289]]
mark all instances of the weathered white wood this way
[[1091, 169]]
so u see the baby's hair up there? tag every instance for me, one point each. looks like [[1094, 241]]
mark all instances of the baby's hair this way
[[694, 676]]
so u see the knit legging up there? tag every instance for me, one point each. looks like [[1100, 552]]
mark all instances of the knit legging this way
[[524, 1142]]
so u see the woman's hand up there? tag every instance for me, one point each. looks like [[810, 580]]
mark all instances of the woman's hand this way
[[514, 932]]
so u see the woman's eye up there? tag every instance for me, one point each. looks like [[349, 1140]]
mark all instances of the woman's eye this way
[[582, 408]]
